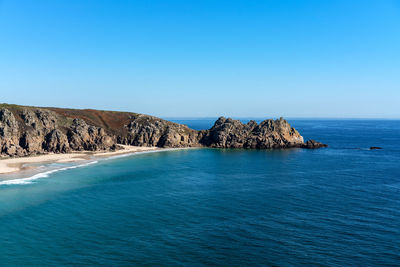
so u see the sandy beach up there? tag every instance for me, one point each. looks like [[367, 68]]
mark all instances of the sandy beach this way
[[11, 165]]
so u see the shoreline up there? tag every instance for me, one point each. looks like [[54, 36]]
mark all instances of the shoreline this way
[[16, 165]]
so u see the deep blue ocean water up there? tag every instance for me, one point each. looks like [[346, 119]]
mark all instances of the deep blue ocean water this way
[[338, 206]]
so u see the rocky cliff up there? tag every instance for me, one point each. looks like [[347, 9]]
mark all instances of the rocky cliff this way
[[229, 133], [30, 130], [143, 130]]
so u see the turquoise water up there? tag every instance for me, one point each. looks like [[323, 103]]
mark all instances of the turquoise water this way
[[338, 206]]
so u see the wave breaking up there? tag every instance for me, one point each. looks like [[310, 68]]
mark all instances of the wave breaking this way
[[28, 180]]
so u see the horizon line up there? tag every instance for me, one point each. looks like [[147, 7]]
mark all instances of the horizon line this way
[[214, 117], [289, 117]]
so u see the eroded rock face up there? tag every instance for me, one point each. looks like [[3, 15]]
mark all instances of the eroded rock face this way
[[8, 124], [229, 133], [9, 134], [37, 125], [31, 142], [56, 141], [86, 137], [36, 131], [151, 131]]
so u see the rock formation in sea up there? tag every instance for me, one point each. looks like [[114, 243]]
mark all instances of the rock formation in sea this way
[[31, 130], [229, 133], [312, 144]]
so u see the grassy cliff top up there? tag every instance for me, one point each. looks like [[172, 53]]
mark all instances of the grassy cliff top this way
[[111, 121]]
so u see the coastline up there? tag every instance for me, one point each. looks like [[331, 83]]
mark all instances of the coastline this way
[[15, 165]]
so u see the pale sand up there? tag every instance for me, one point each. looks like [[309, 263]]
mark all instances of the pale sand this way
[[10, 165]]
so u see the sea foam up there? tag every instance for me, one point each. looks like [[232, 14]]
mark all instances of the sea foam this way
[[28, 180]]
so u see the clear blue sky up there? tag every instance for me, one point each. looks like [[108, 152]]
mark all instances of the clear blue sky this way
[[187, 58]]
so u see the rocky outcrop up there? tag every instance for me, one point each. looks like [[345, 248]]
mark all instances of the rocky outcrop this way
[[8, 124], [229, 133], [312, 144], [9, 134], [87, 137], [56, 141], [28, 131], [38, 128], [145, 130]]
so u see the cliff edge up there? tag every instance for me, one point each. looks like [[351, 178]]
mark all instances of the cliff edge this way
[[28, 131]]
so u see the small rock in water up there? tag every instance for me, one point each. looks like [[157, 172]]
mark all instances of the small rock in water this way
[[312, 144], [374, 147]]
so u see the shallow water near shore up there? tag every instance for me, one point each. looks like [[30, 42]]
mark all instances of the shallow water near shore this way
[[337, 206]]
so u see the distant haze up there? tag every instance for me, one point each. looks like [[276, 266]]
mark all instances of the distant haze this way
[[261, 58]]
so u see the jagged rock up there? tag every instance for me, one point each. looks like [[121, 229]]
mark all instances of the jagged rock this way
[[47, 118], [41, 120], [32, 143], [56, 141], [226, 133], [229, 133], [38, 132], [8, 124], [151, 131], [312, 144], [30, 118], [9, 134], [85, 137], [11, 149]]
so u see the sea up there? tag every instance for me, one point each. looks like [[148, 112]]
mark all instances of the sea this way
[[335, 206]]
